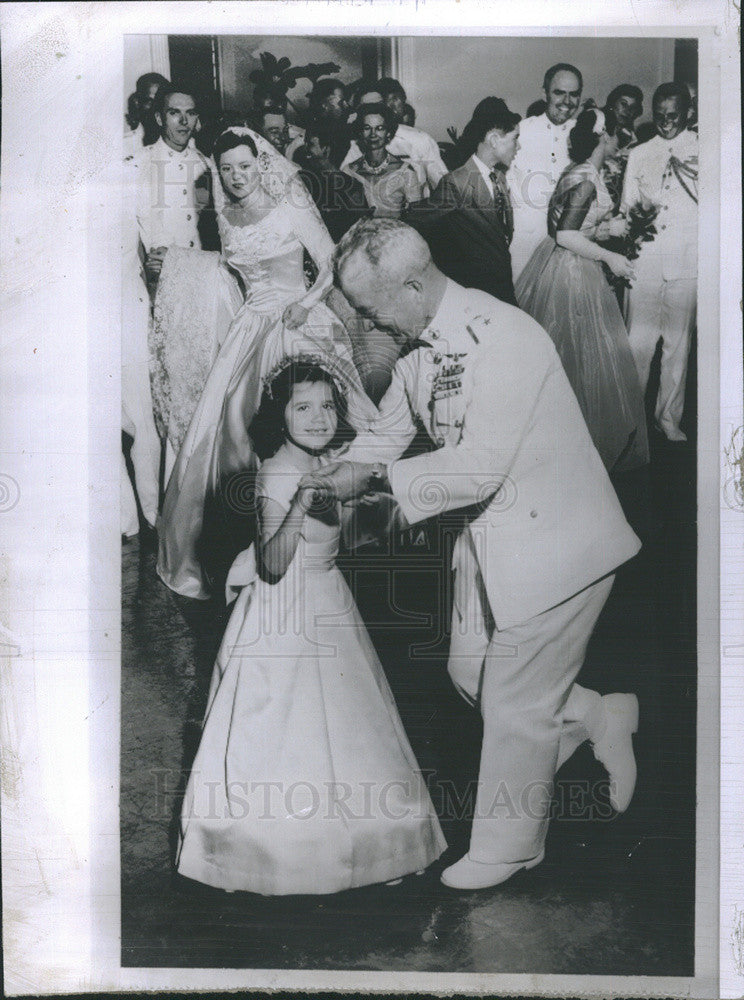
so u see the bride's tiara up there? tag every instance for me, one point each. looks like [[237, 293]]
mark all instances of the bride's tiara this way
[[316, 360]]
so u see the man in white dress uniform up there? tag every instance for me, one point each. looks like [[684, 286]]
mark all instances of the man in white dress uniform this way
[[172, 180], [541, 159], [663, 297], [172, 187], [534, 565]]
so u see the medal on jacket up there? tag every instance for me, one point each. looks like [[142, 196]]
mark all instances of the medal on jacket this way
[[446, 384]]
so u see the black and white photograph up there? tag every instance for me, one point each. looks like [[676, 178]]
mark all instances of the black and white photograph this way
[[411, 504], [416, 361]]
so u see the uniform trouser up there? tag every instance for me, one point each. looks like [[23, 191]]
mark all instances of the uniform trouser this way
[[534, 715], [129, 519], [662, 308], [138, 421], [136, 402]]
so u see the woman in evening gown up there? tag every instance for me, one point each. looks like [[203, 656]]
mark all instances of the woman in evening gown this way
[[564, 288], [266, 221]]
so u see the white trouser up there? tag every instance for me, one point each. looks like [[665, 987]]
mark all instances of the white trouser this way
[[137, 420], [128, 518], [534, 714], [136, 397], [662, 308]]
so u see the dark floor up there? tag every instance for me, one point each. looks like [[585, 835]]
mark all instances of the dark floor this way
[[615, 895]]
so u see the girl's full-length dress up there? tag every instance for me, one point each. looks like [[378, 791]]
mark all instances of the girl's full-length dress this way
[[304, 781], [571, 299]]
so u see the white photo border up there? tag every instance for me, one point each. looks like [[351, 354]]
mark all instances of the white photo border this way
[[60, 638]]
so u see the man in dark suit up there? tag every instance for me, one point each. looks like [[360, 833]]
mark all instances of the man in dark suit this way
[[468, 220]]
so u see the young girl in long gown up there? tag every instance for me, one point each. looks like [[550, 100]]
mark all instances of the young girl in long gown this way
[[564, 288], [304, 781]]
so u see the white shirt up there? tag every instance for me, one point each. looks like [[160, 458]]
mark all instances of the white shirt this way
[[415, 145], [541, 159], [133, 141], [647, 177], [485, 173], [168, 204]]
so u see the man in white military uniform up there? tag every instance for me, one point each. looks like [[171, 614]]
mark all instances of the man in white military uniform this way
[[541, 159], [171, 180], [663, 297], [546, 533]]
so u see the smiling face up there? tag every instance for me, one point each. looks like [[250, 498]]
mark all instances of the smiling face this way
[[177, 120], [373, 134], [239, 172], [626, 109], [670, 117], [310, 415], [563, 96]]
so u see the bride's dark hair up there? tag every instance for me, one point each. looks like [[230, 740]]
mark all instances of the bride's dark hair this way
[[231, 140], [268, 430]]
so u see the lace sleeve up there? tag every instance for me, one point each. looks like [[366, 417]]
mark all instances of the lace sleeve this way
[[310, 230]]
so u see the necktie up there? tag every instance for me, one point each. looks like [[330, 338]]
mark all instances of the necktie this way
[[502, 203]]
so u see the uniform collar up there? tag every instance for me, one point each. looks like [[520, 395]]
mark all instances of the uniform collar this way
[[164, 150], [447, 329], [679, 143], [549, 126]]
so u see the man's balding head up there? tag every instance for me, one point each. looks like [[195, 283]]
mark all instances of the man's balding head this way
[[385, 270]]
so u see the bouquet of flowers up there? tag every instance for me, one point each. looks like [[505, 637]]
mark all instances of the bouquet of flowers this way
[[641, 229]]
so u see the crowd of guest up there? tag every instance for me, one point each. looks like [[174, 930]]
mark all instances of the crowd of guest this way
[[576, 213]]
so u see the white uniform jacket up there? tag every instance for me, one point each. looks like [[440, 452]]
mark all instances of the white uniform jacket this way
[[494, 398], [541, 159], [650, 176], [171, 190]]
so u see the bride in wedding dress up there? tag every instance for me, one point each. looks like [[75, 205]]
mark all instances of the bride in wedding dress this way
[[267, 221]]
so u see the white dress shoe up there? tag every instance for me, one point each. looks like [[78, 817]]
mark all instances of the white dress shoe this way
[[615, 748], [469, 874]]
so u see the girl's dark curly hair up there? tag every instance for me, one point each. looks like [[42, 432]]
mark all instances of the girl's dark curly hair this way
[[268, 430]]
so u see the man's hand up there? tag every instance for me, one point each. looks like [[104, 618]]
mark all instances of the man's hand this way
[[154, 263], [348, 480]]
